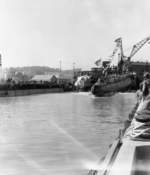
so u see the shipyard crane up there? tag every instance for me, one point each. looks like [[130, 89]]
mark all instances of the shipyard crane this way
[[118, 47], [124, 60], [121, 54], [136, 47]]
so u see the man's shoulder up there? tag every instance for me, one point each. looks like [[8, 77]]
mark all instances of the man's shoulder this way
[[147, 82]]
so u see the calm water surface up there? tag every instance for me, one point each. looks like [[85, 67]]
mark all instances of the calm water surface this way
[[58, 134]]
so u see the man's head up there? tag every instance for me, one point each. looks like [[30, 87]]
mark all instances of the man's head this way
[[146, 75]]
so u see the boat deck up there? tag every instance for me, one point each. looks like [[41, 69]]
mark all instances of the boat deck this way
[[133, 159]]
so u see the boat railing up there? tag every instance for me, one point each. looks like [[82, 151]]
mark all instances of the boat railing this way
[[114, 148], [107, 162]]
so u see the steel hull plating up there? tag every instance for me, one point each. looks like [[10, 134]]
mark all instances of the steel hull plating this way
[[102, 90]]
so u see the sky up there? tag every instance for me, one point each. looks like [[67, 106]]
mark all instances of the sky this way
[[45, 32]]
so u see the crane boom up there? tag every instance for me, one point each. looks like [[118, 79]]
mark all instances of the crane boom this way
[[138, 46]]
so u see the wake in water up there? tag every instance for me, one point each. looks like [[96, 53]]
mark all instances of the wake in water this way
[[87, 164], [82, 93], [74, 140]]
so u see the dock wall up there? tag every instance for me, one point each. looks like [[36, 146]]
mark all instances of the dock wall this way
[[11, 93]]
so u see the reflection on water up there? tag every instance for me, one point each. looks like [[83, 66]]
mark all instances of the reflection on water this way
[[58, 133]]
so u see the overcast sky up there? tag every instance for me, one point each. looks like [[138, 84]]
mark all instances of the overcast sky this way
[[43, 32]]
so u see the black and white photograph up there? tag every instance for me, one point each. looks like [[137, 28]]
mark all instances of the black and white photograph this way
[[74, 87]]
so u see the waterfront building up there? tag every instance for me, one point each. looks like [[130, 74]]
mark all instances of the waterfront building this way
[[44, 78], [65, 78], [139, 68], [54, 78]]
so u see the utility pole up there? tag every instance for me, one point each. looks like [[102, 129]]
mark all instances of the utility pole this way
[[74, 71], [60, 65], [59, 83], [1, 73], [74, 67], [0, 60]]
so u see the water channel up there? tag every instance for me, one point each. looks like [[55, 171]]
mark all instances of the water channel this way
[[58, 134]]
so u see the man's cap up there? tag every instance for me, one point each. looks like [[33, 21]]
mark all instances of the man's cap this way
[[146, 75]]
